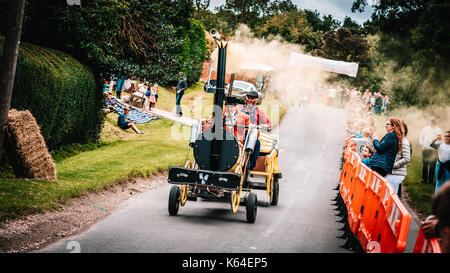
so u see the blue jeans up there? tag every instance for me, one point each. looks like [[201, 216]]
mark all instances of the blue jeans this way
[[178, 102], [443, 178]]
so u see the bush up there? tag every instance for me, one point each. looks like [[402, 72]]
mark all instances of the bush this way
[[60, 92]]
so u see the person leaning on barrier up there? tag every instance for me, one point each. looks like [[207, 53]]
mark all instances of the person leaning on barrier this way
[[383, 160], [399, 171], [438, 224], [362, 141]]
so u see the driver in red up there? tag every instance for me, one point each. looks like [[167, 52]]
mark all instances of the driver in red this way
[[256, 117]]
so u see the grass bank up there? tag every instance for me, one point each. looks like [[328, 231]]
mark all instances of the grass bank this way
[[119, 157], [415, 118]]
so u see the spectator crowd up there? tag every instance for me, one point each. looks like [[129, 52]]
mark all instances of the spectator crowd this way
[[140, 93], [390, 154]]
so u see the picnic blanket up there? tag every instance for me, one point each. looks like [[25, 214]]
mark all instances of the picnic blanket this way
[[135, 115]]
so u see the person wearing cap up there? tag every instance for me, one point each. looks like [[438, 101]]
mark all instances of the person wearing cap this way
[[256, 117]]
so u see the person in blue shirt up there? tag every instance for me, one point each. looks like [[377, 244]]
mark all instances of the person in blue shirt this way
[[124, 123], [383, 159]]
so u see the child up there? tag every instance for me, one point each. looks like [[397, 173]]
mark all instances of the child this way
[[153, 95], [366, 153]]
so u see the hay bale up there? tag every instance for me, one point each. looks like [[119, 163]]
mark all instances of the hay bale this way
[[26, 149]]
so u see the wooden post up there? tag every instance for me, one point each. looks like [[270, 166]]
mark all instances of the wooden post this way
[[9, 62]]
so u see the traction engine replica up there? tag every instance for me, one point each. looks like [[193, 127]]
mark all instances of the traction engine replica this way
[[220, 169]]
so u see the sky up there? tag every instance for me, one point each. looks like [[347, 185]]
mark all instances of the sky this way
[[337, 8]]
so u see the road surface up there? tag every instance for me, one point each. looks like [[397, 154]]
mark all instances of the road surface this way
[[311, 141]]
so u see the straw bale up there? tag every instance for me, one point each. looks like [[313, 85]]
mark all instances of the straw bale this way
[[26, 148]]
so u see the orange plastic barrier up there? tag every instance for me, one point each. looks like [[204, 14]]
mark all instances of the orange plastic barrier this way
[[394, 231], [349, 176], [375, 213], [375, 208], [424, 245], [357, 194]]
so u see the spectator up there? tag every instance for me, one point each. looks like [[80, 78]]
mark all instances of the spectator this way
[[110, 103], [140, 94], [443, 163], [120, 83], [386, 104], [438, 224], [106, 87], [429, 155], [124, 123], [181, 86], [152, 95], [362, 141], [383, 160], [399, 171], [378, 103], [367, 153]]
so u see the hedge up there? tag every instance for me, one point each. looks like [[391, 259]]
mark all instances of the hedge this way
[[60, 92]]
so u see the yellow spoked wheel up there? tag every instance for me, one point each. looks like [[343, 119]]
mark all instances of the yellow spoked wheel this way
[[183, 195]]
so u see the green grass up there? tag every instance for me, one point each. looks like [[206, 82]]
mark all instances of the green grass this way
[[118, 157]]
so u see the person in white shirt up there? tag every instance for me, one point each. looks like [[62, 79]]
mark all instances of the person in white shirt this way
[[429, 155], [443, 164]]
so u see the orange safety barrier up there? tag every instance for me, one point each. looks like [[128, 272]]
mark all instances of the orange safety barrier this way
[[375, 209], [395, 227], [424, 245], [357, 194], [347, 154], [349, 175], [375, 213]]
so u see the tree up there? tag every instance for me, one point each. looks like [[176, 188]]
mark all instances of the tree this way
[[325, 24], [415, 34], [144, 38], [293, 27], [9, 61]]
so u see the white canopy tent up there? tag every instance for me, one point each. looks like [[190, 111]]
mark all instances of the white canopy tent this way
[[340, 67]]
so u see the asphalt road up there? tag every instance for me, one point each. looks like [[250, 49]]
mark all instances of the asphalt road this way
[[310, 139]]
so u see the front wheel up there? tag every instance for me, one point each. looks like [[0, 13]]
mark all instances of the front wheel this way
[[252, 206], [174, 200]]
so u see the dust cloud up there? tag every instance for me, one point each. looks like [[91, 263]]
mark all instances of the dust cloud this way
[[286, 82]]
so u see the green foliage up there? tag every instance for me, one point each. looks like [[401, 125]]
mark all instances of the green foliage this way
[[60, 92], [415, 34], [143, 38], [294, 28], [193, 50]]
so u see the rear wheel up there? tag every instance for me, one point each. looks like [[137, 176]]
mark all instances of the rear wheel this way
[[274, 192], [251, 207], [174, 200]]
